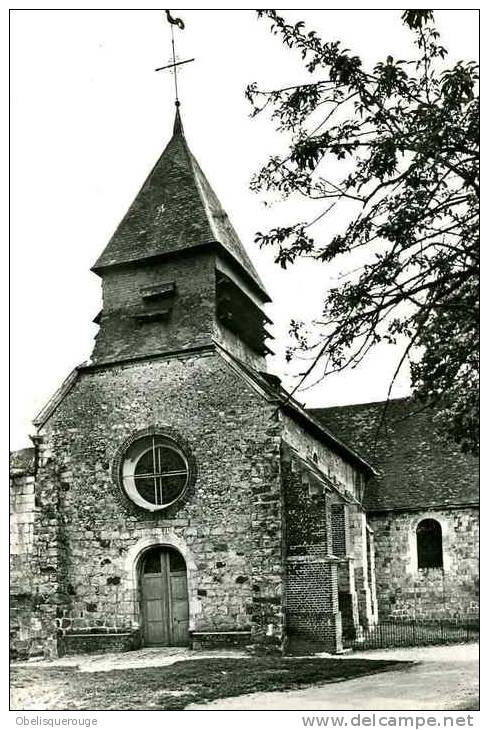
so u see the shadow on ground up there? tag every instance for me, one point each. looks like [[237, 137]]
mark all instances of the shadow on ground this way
[[174, 686]]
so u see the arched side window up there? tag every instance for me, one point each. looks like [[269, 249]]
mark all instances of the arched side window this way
[[429, 544]]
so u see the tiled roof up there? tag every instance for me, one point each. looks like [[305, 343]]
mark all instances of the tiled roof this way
[[271, 386], [175, 210], [22, 461], [417, 468]]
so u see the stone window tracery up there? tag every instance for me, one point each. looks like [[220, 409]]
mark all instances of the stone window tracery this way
[[154, 472]]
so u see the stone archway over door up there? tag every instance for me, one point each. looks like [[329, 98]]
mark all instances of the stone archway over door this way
[[164, 597]]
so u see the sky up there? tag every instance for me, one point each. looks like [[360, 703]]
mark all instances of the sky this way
[[89, 117]]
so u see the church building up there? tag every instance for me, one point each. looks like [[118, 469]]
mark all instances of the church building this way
[[177, 495]]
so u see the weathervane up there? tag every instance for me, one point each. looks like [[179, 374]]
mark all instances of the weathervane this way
[[180, 24]]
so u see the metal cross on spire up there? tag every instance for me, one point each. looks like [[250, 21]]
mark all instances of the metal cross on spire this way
[[181, 25]]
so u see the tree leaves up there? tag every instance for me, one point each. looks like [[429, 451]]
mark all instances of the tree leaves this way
[[406, 135], [415, 19]]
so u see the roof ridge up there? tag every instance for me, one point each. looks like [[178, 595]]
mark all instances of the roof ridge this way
[[243, 254], [288, 403], [22, 450], [360, 405]]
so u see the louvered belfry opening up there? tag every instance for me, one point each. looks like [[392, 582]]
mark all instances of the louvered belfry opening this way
[[238, 312], [158, 269]]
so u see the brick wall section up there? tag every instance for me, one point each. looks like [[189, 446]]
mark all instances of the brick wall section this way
[[229, 526], [312, 612], [312, 603], [352, 573], [404, 591], [305, 508]]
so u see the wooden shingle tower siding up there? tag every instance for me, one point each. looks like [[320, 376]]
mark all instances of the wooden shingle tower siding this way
[[175, 274]]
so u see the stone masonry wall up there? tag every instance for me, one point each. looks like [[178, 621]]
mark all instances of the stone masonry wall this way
[[403, 590], [33, 565], [25, 625], [22, 516], [189, 323], [228, 527], [346, 477]]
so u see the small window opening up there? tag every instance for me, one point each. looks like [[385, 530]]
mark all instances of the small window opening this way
[[429, 544]]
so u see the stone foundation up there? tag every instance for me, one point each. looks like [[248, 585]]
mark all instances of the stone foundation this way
[[97, 643], [201, 640]]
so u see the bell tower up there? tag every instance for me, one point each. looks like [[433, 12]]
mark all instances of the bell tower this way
[[175, 275]]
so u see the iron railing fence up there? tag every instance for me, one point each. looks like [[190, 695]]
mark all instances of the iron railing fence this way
[[315, 628], [413, 632]]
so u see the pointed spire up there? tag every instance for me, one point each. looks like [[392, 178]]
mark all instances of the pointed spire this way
[[175, 210], [177, 124]]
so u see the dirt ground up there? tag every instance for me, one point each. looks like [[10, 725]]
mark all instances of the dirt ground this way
[[171, 679], [432, 678], [442, 678]]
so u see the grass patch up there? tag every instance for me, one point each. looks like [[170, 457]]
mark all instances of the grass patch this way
[[175, 686]]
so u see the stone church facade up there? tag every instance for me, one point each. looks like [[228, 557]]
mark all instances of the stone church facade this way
[[177, 495]]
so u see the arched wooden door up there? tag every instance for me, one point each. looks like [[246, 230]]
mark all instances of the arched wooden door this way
[[164, 597]]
